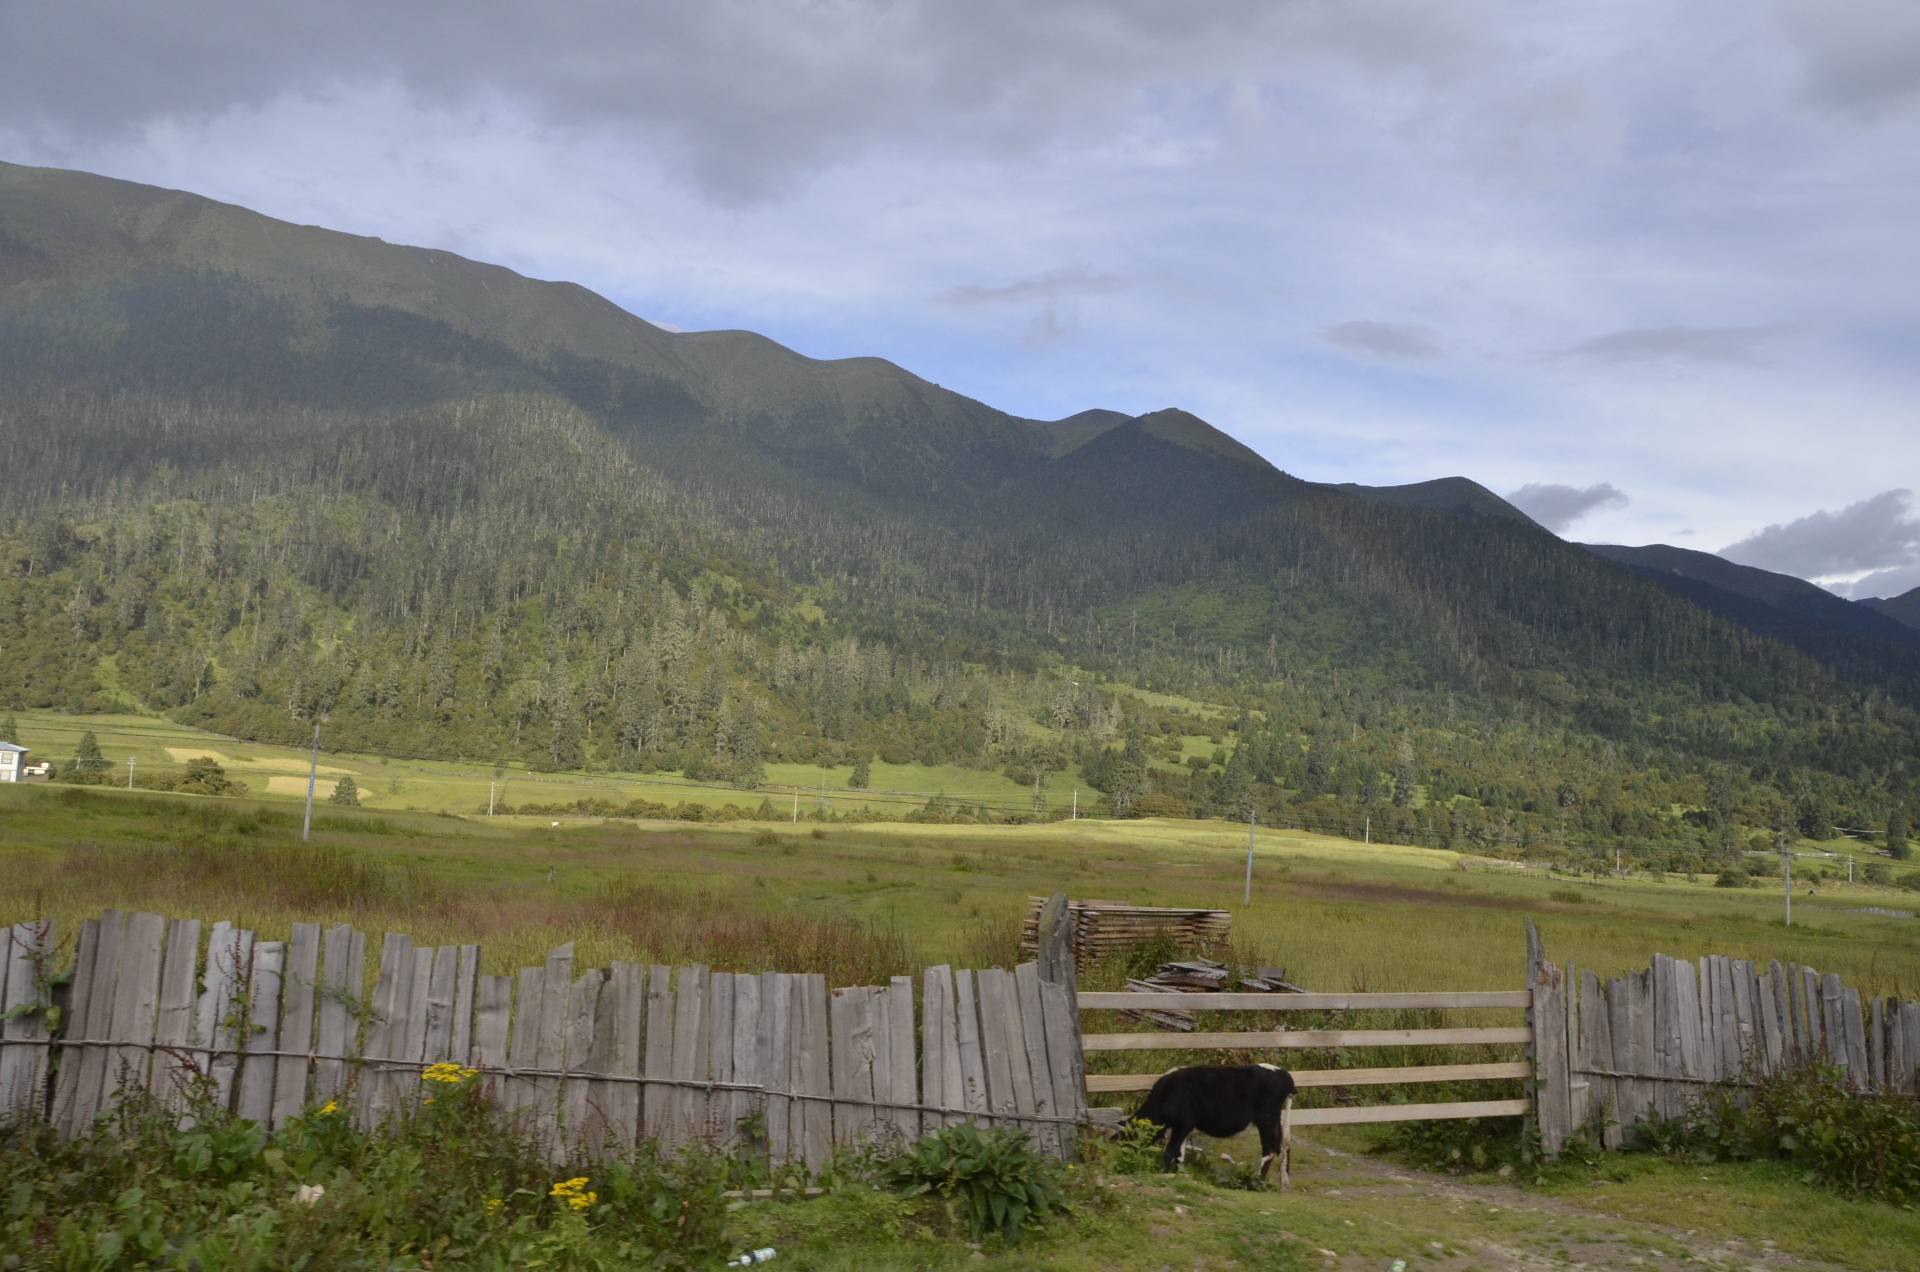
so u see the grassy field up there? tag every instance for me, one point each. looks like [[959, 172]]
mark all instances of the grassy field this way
[[275, 772], [863, 901], [1336, 914]]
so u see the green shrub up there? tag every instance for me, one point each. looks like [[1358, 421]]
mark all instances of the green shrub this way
[[1733, 879], [993, 1180], [456, 1185], [1879, 872], [1867, 1144]]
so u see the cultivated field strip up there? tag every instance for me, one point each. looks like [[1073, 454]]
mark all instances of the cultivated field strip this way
[[591, 1061]]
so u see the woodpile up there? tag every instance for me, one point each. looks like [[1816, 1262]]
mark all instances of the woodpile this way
[[1103, 928], [1204, 976]]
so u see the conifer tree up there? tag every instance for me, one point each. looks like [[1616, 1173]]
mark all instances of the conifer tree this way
[[1897, 846], [10, 729], [862, 774], [345, 791], [87, 760]]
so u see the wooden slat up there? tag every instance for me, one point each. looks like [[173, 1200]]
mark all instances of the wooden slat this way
[[136, 996], [577, 1054], [990, 989], [550, 1050], [1408, 1112], [85, 993], [880, 1131], [657, 1100], [1877, 1043], [1813, 1016], [23, 1007], [255, 1102], [519, 1092], [405, 1078], [746, 1053], [466, 979], [1579, 1087], [900, 1061], [492, 1016], [1089, 1000], [598, 1135], [774, 1040], [173, 1067], [973, 1066], [1899, 1072], [811, 1022], [939, 1053], [851, 1034], [437, 1034], [1064, 1059], [229, 963], [1552, 1072], [1033, 1027], [1767, 1012], [1299, 1039], [628, 986], [296, 1023], [1645, 1059], [1833, 1020], [1858, 1070], [690, 1044], [390, 986], [342, 973], [716, 1121], [1305, 1079]]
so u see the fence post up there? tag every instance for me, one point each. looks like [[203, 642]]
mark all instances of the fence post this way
[[1552, 1071], [1053, 942]]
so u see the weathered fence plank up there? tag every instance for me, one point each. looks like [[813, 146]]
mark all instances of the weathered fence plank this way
[[296, 1023], [690, 1049], [342, 979], [84, 995], [717, 1121], [899, 1011], [973, 1067], [815, 1083], [774, 1042], [657, 1098], [25, 996], [136, 996], [747, 1069], [255, 1101]]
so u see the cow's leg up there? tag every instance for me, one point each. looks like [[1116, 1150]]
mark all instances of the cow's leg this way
[[1269, 1128], [1176, 1146]]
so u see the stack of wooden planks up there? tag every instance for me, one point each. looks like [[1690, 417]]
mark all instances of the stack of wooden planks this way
[[1104, 928], [1203, 976]]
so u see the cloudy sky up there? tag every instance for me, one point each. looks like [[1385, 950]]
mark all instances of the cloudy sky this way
[[1650, 268]]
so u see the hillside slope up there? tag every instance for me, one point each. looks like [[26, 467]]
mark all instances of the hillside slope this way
[[255, 472]]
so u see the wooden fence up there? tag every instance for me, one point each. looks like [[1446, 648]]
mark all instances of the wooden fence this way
[[1645, 1046], [590, 1060]]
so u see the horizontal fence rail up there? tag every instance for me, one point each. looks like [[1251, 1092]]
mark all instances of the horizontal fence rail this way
[[1304, 1039], [1128, 1001], [1108, 1083]]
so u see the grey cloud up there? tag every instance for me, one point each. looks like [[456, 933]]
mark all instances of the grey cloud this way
[[1862, 57], [1557, 507], [1723, 345], [1047, 287], [1887, 583], [1383, 339], [1880, 533], [752, 98]]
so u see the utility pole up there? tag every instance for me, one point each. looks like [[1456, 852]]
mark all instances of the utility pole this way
[[313, 773], [1369, 831], [796, 807], [1787, 857], [129, 772], [490, 786], [1076, 803], [1247, 898], [1616, 861]]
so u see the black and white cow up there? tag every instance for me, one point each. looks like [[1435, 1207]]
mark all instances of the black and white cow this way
[[1219, 1100]]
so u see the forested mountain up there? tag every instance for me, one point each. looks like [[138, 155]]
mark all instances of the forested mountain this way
[[1904, 608], [1808, 616], [251, 473]]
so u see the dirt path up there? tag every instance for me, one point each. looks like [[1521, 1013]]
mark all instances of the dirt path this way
[[1437, 1222]]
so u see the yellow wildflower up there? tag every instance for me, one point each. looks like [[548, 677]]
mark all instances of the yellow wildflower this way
[[495, 1205], [448, 1072], [330, 1107], [583, 1200]]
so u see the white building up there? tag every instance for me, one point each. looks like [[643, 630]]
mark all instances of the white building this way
[[13, 761]]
